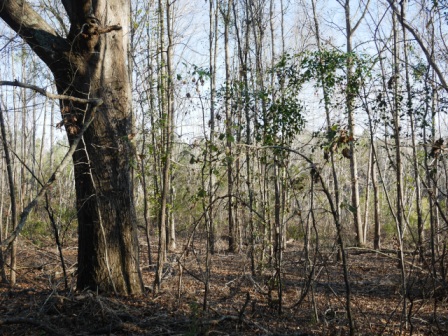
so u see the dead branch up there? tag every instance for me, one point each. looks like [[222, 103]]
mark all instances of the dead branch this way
[[53, 178], [38, 323], [234, 318], [108, 329], [243, 309], [384, 252], [93, 101]]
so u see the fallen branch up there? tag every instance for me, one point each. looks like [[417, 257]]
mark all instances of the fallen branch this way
[[38, 323], [241, 312], [216, 322], [108, 329], [255, 284], [364, 250], [386, 253]]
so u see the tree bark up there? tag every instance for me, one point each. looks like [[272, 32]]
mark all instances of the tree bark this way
[[350, 101], [228, 128], [92, 62], [12, 196]]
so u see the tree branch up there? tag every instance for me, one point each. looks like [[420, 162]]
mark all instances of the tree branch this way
[[419, 40], [57, 173], [362, 16], [68, 6], [93, 101], [34, 30], [35, 322], [78, 10]]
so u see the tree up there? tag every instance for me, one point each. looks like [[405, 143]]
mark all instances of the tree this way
[[350, 102], [91, 62], [228, 126]]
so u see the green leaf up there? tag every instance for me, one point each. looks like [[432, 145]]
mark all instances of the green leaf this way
[[201, 193]]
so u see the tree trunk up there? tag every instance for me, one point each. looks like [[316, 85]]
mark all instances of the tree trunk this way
[[92, 62], [3, 276], [12, 193], [228, 129], [376, 207], [164, 163], [350, 100], [398, 165], [415, 162]]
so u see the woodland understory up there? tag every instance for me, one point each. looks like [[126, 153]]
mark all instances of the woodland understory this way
[[240, 167], [239, 303]]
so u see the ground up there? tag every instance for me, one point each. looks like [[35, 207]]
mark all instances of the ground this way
[[238, 303]]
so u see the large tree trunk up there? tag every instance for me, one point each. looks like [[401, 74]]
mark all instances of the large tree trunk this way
[[92, 63]]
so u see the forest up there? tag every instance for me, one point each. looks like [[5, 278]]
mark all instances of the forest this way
[[239, 167]]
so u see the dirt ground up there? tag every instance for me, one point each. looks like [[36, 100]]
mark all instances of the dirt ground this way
[[239, 303]]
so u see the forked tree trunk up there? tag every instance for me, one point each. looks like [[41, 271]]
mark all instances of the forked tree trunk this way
[[91, 62]]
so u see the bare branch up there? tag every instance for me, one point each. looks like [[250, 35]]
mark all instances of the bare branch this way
[[67, 158], [34, 30], [362, 16], [420, 42], [93, 101], [35, 322]]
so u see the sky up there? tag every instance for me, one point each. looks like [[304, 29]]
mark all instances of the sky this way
[[191, 26]]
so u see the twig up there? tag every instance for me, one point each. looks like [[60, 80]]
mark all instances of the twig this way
[[190, 273], [235, 318], [255, 284], [418, 38], [53, 178], [241, 313], [50, 213]]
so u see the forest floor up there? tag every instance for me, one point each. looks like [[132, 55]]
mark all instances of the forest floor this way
[[237, 304]]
